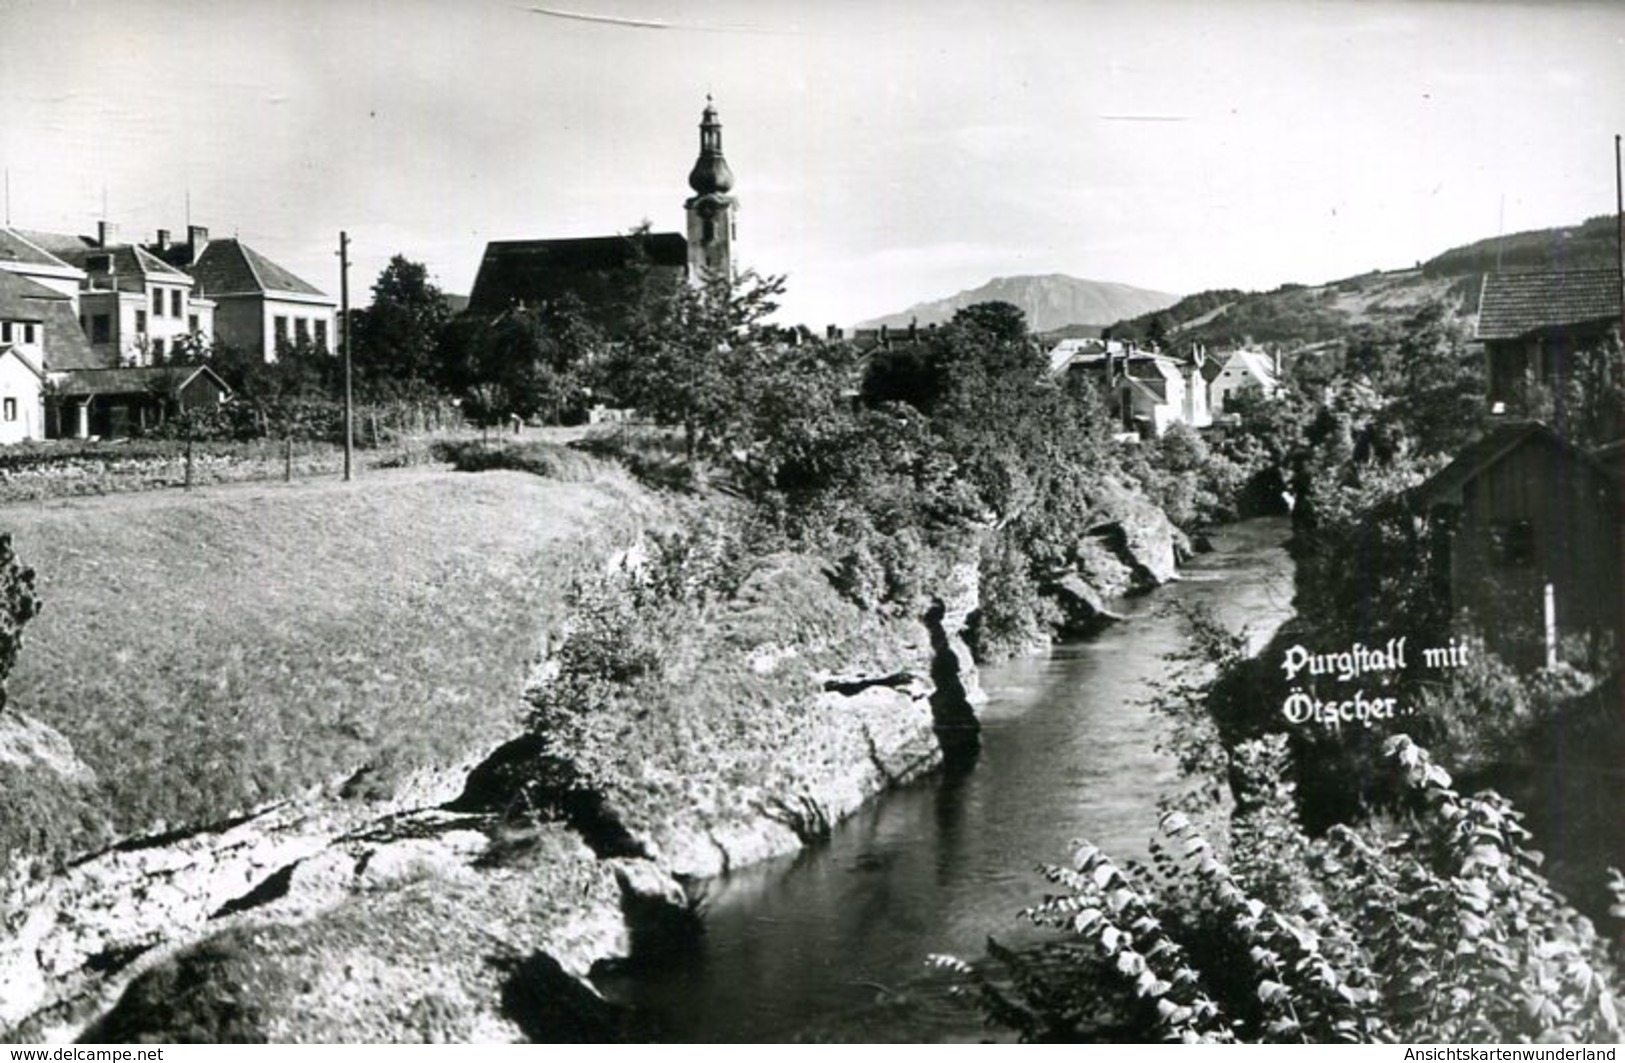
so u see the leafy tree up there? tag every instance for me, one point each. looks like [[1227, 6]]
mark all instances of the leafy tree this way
[[394, 342], [1001, 321], [693, 355], [528, 361]]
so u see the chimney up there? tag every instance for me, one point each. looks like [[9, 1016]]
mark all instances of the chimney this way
[[197, 238], [106, 234], [163, 240]]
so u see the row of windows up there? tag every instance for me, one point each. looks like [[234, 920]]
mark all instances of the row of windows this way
[[176, 297], [18, 332], [302, 327], [101, 328]]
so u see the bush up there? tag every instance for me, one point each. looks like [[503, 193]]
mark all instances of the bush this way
[[1438, 927], [547, 460]]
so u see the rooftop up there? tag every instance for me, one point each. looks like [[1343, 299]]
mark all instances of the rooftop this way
[[1516, 304]]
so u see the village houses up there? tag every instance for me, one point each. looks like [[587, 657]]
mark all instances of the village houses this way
[[89, 326], [1149, 391]]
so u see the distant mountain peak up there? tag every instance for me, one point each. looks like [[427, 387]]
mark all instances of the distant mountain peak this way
[[1050, 301]]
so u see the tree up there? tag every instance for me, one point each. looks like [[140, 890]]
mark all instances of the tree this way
[[525, 361], [693, 354], [396, 340], [1001, 321]]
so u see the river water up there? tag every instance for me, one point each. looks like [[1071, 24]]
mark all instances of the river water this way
[[831, 944]]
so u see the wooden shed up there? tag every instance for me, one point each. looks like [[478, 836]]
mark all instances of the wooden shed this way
[[1534, 545], [115, 403]]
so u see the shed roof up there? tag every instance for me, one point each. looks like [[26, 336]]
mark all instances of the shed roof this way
[[126, 380], [1445, 487], [1516, 304]]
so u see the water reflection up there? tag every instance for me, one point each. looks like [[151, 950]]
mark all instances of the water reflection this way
[[831, 943]]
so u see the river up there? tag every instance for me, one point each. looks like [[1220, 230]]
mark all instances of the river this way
[[831, 944]]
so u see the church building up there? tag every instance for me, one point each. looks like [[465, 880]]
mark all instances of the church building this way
[[597, 270]]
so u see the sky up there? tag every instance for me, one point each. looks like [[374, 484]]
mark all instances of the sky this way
[[884, 152]]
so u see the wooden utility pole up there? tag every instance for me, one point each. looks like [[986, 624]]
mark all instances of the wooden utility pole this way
[[1619, 222], [344, 335]]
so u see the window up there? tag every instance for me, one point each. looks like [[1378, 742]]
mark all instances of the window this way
[[1512, 543], [175, 303], [281, 330], [321, 334], [11, 409], [5, 332], [140, 322], [157, 302], [28, 334], [301, 329], [101, 329], [158, 349], [191, 324]]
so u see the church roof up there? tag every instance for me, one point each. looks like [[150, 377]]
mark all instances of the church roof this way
[[593, 269]]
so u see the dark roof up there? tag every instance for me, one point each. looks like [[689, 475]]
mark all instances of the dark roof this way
[[1444, 488], [54, 243], [1516, 304], [128, 261], [593, 269], [127, 380], [15, 247], [22, 299], [231, 267], [66, 346]]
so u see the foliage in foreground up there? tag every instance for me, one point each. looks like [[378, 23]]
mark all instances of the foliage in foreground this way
[[1438, 926]]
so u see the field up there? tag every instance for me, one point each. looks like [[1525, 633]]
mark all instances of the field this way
[[207, 651]]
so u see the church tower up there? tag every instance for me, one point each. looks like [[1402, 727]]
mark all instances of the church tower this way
[[711, 210]]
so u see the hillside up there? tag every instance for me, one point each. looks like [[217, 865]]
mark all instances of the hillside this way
[[1297, 316], [1593, 244], [1050, 301]]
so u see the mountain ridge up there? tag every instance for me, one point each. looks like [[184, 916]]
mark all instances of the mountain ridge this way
[[1050, 301]]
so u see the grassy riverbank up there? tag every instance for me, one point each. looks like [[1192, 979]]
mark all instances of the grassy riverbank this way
[[205, 652]]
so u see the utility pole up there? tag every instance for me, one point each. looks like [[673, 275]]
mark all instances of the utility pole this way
[[1619, 222], [344, 335]]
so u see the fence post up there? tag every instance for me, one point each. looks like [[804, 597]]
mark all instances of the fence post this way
[[287, 460], [188, 460]]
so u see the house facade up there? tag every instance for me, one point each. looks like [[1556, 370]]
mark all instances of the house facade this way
[[259, 307], [1237, 371], [22, 396]]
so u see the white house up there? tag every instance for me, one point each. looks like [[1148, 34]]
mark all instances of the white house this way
[[1238, 370]]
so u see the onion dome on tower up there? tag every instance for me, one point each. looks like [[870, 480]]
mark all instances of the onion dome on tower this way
[[710, 174], [711, 210]]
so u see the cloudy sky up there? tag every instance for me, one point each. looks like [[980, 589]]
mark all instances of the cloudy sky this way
[[885, 152]]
